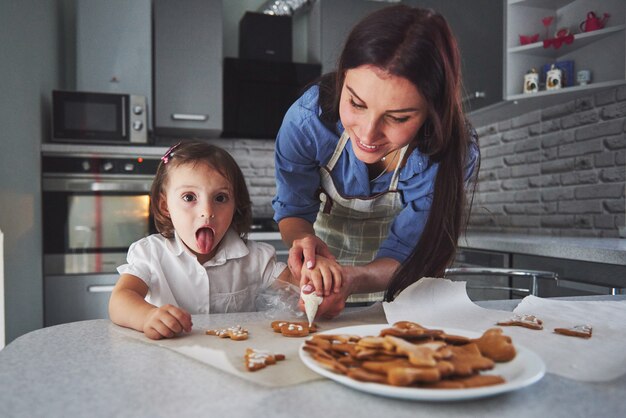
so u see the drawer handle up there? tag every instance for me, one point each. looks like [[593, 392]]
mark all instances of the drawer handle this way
[[189, 117], [100, 288]]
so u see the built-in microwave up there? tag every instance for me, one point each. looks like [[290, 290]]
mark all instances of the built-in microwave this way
[[99, 118]]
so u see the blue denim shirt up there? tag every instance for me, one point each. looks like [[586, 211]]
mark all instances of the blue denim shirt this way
[[304, 144]]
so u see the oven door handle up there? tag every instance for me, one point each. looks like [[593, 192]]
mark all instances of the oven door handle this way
[[100, 288], [190, 117], [76, 184]]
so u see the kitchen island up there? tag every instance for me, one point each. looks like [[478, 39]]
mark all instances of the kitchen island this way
[[90, 369]]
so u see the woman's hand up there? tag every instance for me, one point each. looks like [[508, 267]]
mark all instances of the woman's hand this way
[[166, 322], [303, 252]]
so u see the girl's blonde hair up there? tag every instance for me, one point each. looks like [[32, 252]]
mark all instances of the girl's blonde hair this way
[[196, 152]]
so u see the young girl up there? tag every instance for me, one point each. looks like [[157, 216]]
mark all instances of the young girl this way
[[201, 262]]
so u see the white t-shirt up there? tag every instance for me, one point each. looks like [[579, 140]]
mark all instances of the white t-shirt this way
[[229, 282]]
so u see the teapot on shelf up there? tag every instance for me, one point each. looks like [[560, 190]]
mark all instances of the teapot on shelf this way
[[593, 22]]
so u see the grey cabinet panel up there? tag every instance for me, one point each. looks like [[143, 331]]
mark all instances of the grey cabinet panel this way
[[188, 67], [330, 22], [113, 47], [72, 298], [478, 26]]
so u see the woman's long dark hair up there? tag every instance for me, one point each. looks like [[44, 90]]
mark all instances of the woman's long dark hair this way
[[417, 44]]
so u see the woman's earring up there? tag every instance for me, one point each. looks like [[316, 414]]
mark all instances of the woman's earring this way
[[427, 130]]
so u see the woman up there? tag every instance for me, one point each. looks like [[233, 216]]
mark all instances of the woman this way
[[373, 161]]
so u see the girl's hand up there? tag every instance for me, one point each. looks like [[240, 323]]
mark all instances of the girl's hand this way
[[303, 253], [326, 277], [166, 322]]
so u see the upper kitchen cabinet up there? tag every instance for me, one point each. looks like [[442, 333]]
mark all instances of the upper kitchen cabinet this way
[[478, 26], [113, 46], [573, 35], [188, 67], [330, 22]]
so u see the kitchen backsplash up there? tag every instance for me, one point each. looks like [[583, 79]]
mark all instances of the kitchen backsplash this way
[[556, 171]]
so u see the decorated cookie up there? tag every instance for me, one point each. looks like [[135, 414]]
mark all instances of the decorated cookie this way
[[580, 331], [259, 359], [524, 320], [236, 333], [293, 329]]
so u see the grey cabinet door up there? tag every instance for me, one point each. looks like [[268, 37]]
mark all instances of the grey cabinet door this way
[[477, 24], [188, 67], [70, 298], [113, 47], [329, 24], [478, 27]]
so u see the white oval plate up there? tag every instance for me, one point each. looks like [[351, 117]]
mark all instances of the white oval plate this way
[[524, 370]]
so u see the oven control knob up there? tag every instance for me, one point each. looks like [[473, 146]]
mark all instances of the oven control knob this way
[[138, 110], [137, 125], [129, 167], [85, 165], [107, 166]]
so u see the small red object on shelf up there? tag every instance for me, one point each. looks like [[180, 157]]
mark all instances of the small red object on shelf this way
[[528, 39], [562, 36]]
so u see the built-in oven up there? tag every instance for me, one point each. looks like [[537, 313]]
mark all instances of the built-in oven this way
[[95, 204]]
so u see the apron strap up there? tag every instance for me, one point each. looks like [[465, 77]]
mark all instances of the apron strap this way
[[338, 150], [393, 186]]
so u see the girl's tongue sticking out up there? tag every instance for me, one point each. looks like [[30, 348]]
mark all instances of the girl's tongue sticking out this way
[[204, 240]]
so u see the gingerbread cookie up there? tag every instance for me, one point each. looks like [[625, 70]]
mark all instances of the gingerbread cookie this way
[[580, 331], [524, 320], [293, 329], [495, 345], [236, 333], [259, 359]]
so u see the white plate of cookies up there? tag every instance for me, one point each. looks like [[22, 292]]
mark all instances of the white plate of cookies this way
[[409, 361]]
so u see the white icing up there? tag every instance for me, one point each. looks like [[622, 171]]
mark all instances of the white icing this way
[[311, 303]]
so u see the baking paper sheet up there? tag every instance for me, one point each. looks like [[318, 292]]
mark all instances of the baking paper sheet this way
[[228, 355], [444, 303]]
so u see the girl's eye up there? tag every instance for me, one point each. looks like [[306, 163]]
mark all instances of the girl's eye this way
[[356, 105], [188, 197], [222, 198]]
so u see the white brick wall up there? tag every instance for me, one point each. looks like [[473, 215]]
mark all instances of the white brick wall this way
[[556, 171], [256, 159]]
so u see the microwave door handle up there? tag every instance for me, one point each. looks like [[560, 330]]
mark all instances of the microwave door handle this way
[[190, 117], [124, 107]]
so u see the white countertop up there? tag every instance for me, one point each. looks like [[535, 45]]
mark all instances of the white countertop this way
[[89, 369]]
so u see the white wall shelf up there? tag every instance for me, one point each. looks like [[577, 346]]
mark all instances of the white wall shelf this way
[[603, 51]]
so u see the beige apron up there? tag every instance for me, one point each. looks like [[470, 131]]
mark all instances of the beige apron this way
[[353, 227]]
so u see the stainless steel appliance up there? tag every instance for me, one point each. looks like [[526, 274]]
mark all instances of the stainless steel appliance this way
[[95, 204], [99, 118]]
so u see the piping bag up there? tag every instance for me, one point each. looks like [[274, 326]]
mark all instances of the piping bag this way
[[311, 303]]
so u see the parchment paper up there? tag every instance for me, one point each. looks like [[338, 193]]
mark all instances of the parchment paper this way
[[444, 303], [228, 355]]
